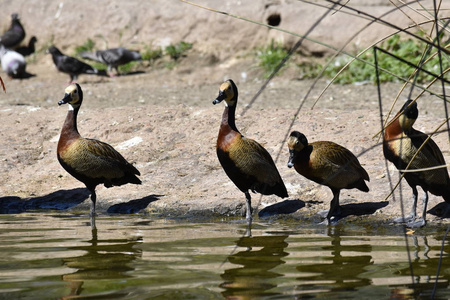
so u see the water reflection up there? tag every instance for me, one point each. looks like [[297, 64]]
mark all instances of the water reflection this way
[[424, 270], [103, 259], [56, 256], [337, 271], [254, 276]]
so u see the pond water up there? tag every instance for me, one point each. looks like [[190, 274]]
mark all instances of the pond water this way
[[54, 255]]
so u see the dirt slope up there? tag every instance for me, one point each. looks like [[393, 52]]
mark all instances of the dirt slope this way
[[164, 122]]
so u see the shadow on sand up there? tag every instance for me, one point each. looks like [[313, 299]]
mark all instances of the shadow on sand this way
[[65, 199], [281, 208], [361, 209], [291, 206], [133, 206], [60, 200]]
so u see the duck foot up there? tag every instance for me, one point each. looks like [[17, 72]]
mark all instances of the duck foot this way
[[416, 223], [333, 221], [324, 213], [407, 219]]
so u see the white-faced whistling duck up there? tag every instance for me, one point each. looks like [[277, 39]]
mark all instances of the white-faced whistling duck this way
[[329, 164], [247, 163], [401, 142], [90, 161]]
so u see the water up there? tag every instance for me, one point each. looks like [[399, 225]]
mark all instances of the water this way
[[57, 256]]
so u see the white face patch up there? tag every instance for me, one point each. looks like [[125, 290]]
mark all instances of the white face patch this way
[[71, 107]]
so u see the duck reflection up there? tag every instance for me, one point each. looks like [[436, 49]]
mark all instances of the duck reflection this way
[[338, 272], [254, 277], [103, 259], [424, 268]]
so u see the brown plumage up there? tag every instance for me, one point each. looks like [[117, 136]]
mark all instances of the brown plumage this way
[[246, 162], [401, 142], [326, 163], [90, 161]]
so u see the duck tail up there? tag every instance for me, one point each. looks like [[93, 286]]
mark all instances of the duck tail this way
[[362, 186]]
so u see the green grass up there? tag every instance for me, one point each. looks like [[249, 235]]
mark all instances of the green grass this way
[[270, 56], [178, 50], [151, 54], [408, 49], [89, 46], [129, 67]]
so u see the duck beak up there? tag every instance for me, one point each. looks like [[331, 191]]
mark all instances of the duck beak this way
[[290, 163], [219, 98], [67, 98]]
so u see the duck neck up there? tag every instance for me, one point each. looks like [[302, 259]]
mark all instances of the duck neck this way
[[304, 154], [69, 130], [394, 130], [228, 118]]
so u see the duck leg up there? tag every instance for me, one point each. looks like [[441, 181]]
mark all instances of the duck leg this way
[[92, 212], [412, 215], [420, 222], [248, 202], [335, 208]]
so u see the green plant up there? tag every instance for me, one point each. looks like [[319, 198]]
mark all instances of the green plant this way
[[178, 50], [87, 46], [151, 54], [270, 57], [408, 49], [127, 68], [309, 69]]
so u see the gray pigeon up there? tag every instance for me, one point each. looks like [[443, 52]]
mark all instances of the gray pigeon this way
[[28, 50], [70, 65], [113, 58], [13, 63], [14, 35]]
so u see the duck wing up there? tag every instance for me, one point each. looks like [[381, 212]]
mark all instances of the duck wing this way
[[339, 157], [256, 161]]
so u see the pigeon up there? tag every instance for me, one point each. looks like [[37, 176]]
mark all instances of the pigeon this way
[[113, 58], [13, 63], [14, 35], [70, 65], [28, 50]]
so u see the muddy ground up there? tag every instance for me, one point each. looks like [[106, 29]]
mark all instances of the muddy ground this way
[[163, 121]]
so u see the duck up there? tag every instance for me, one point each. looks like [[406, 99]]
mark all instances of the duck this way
[[328, 164], [248, 164], [400, 143], [13, 63], [70, 65], [12, 37], [113, 58], [29, 49], [90, 161]]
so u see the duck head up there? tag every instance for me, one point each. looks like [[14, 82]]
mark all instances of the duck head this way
[[296, 142], [228, 92], [409, 114], [73, 96]]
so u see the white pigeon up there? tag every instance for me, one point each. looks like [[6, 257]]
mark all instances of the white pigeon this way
[[13, 63]]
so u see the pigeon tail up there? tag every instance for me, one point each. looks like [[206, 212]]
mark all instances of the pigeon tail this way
[[89, 55]]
